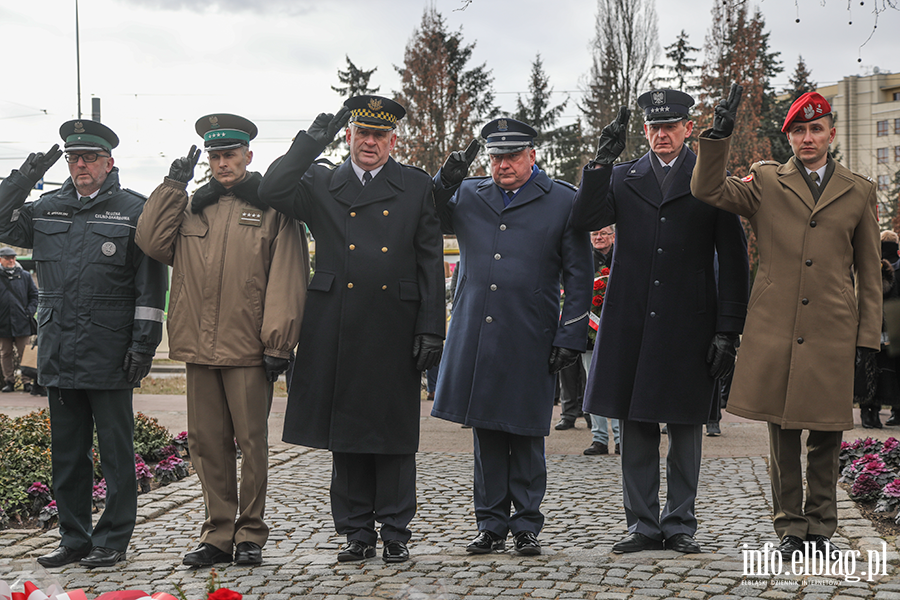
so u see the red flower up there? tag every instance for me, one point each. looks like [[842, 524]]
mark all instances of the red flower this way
[[602, 285], [224, 594], [597, 301], [597, 284], [604, 271]]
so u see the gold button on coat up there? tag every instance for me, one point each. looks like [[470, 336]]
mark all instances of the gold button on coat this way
[[353, 246], [349, 285], [386, 213], [384, 249], [353, 214]]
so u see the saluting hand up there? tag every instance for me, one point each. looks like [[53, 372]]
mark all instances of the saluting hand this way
[[456, 167], [38, 163], [182, 169], [612, 139], [726, 113], [326, 125]]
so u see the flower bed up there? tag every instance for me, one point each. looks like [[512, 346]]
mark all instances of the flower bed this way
[[26, 474], [871, 470]]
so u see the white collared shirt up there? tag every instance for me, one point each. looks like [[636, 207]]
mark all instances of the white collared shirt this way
[[360, 171]]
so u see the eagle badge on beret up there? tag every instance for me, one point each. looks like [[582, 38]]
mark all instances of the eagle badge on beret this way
[[375, 105], [659, 98]]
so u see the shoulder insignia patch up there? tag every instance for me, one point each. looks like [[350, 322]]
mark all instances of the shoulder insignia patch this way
[[134, 193], [767, 162], [748, 178], [326, 163], [416, 168]]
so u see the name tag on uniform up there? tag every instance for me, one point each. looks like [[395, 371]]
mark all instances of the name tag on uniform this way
[[251, 217], [58, 213]]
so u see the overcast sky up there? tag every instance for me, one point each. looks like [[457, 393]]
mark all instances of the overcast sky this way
[[158, 65]]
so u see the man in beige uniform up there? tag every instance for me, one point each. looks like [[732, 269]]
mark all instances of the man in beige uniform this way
[[816, 302], [238, 287]]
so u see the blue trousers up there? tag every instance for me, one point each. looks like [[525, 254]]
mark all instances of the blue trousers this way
[[510, 470]]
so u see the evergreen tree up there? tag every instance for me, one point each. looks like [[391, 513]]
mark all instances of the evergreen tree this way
[[799, 83], [446, 102], [683, 66], [355, 81], [536, 109]]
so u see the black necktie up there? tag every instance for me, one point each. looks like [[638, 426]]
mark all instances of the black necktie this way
[[85, 199], [667, 168], [508, 199], [367, 177]]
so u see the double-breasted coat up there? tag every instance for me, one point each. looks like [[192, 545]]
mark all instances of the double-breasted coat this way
[[806, 315], [378, 282], [506, 312], [663, 304]]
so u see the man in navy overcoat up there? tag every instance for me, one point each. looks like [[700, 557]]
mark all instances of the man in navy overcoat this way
[[507, 338], [668, 329]]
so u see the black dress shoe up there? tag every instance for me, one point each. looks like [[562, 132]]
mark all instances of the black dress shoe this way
[[564, 424], [894, 419], [789, 544], [102, 557], [822, 544], [636, 542], [9, 387], [355, 550], [395, 551], [527, 543], [248, 553], [684, 543], [596, 448], [485, 542], [206, 555], [62, 556], [618, 450]]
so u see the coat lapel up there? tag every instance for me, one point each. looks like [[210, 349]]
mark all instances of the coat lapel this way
[[490, 194], [387, 184], [642, 181], [345, 185], [539, 186], [793, 179], [840, 183], [681, 179]]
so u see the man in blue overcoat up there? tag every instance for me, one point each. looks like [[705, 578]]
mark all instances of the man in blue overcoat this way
[[507, 338], [668, 329]]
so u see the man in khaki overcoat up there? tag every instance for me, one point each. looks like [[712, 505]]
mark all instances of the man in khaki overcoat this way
[[816, 301]]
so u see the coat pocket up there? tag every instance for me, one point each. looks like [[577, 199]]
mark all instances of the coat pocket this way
[[321, 281], [409, 290], [49, 239], [108, 243]]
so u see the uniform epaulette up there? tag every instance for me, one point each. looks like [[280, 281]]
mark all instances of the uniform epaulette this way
[[768, 162], [138, 194], [326, 163], [566, 183], [478, 177], [416, 168]]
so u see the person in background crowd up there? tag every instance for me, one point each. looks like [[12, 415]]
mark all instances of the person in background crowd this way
[[18, 303]]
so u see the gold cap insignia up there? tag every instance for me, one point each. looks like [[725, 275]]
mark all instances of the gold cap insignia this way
[[375, 105], [79, 127], [501, 125]]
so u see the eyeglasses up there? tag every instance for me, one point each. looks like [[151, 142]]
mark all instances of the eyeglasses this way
[[87, 157], [603, 234]]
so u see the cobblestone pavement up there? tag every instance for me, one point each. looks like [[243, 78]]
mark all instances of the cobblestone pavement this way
[[584, 517]]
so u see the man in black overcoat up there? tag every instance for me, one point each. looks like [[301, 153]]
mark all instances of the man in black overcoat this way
[[667, 329], [374, 317]]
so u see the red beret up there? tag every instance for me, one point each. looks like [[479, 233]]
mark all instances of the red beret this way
[[808, 107]]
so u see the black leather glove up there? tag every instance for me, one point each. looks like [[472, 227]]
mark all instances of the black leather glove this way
[[274, 367], [326, 125], [427, 350], [560, 358], [612, 139], [38, 163], [182, 169], [721, 354], [457, 165], [726, 113], [136, 365]]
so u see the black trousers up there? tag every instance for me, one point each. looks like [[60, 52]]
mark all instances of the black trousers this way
[[510, 470], [373, 487], [572, 379], [73, 414]]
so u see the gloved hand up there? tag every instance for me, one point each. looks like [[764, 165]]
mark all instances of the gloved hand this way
[[427, 350], [612, 139], [182, 169], [721, 354], [560, 358], [274, 367], [457, 165], [136, 365], [326, 125], [726, 113], [38, 163]]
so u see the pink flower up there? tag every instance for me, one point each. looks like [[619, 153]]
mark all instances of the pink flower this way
[[224, 594], [892, 490]]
